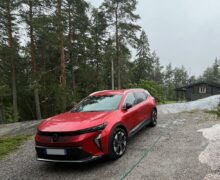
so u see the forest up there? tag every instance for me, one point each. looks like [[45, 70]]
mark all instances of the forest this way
[[53, 53]]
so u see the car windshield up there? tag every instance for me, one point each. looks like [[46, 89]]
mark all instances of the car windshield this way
[[98, 103]]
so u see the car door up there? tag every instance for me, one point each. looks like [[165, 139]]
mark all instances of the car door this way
[[142, 105], [147, 105], [130, 117]]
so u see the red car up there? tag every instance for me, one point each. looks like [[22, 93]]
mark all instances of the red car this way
[[99, 125]]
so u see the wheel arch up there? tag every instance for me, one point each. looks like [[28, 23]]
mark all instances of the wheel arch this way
[[122, 127]]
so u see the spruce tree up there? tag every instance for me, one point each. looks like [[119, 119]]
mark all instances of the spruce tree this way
[[143, 69]]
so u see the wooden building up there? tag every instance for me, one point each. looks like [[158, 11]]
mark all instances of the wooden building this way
[[197, 91]]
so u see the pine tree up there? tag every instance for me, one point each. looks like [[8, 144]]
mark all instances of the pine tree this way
[[28, 14], [60, 27], [98, 43], [9, 31], [121, 17], [77, 43]]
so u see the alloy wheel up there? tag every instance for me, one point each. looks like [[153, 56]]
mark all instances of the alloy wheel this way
[[119, 143]]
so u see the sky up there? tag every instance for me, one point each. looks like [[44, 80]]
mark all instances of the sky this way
[[182, 32]]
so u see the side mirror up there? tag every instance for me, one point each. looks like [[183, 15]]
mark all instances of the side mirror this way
[[127, 106]]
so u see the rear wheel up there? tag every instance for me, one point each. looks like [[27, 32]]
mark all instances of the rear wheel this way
[[118, 143], [153, 118]]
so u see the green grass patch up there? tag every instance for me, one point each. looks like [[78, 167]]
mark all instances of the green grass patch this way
[[214, 111], [9, 144], [169, 102], [218, 110], [211, 111]]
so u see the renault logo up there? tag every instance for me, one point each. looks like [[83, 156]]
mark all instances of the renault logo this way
[[55, 137]]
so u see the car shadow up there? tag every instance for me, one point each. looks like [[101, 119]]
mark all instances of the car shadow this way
[[76, 168]]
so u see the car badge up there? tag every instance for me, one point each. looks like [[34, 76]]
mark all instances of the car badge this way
[[55, 137]]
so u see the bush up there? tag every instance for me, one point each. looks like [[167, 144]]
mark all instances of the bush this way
[[154, 89]]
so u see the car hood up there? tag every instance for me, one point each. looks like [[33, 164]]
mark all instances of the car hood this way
[[73, 121]]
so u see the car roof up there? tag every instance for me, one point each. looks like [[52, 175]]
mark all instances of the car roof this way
[[114, 92]]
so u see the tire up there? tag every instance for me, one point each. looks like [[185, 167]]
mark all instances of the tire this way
[[117, 143], [153, 122]]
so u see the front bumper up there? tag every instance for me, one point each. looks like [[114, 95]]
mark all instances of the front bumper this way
[[73, 155]]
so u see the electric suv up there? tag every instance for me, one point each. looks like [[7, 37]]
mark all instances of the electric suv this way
[[99, 125]]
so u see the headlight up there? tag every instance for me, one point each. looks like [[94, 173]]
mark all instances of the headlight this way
[[95, 128]]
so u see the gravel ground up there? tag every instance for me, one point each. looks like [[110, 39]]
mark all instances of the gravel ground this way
[[26, 127], [169, 151]]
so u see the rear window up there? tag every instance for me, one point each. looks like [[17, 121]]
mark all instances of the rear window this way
[[140, 97]]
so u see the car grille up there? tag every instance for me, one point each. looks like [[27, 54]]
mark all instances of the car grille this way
[[71, 154]]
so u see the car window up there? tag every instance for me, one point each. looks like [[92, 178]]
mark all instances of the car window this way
[[146, 93], [130, 99], [99, 103], [140, 97]]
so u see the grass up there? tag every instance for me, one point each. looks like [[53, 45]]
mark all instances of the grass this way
[[215, 111], [218, 110], [168, 102], [211, 111], [9, 144]]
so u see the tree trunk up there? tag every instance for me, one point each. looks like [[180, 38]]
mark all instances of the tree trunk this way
[[71, 37], [12, 58], [2, 117], [112, 74], [33, 62], [62, 56], [117, 48], [14, 91], [37, 103]]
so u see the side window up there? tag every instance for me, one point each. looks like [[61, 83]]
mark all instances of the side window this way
[[130, 99], [140, 97], [146, 93]]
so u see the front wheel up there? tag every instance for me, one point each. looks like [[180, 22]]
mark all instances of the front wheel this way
[[153, 118], [117, 143]]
